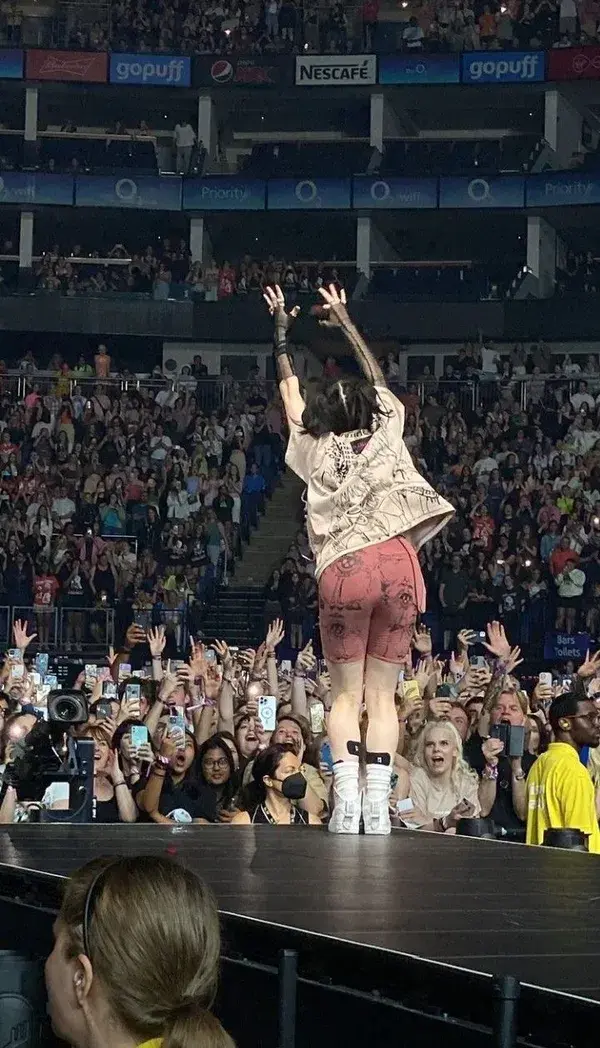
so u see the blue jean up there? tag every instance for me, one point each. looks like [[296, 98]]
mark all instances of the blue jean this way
[[251, 504]]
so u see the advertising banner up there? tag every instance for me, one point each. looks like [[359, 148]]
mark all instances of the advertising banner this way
[[574, 63], [151, 70], [223, 194], [566, 646], [562, 189], [11, 64], [495, 191], [419, 69], [502, 67], [335, 70], [148, 192], [88, 67], [35, 187], [394, 193], [243, 71], [306, 194]]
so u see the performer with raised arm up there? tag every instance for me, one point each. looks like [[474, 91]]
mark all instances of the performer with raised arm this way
[[369, 511]]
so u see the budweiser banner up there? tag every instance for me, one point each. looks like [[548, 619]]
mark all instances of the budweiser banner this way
[[89, 67]]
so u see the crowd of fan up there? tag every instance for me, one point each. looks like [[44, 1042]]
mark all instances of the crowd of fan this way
[[210, 739], [168, 270], [133, 500], [275, 26], [580, 273], [473, 25]]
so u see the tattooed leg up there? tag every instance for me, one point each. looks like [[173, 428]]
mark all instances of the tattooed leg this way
[[347, 680], [381, 679]]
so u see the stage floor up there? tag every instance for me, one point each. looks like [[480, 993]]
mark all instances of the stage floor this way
[[484, 906]]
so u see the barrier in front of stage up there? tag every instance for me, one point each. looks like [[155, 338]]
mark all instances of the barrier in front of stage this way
[[282, 988]]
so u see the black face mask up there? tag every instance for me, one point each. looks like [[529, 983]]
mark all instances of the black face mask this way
[[294, 787]]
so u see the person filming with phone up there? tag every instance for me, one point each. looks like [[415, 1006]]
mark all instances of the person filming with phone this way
[[171, 793], [501, 763], [290, 731]]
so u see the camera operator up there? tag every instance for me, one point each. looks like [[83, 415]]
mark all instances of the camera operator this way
[[14, 808], [113, 801]]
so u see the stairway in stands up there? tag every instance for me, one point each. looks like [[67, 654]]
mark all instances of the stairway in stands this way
[[269, 544], [237, 613]]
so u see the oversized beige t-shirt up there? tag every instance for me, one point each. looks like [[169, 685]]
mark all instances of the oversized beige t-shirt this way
[[357, 500], [433, 801]]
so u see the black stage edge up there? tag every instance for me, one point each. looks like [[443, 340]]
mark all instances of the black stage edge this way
[[398, 939]]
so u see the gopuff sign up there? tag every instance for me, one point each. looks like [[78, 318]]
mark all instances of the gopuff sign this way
[[151, 70], [503, 67]]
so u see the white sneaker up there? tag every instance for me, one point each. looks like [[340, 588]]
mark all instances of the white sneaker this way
[[376, 815], [345, 817]]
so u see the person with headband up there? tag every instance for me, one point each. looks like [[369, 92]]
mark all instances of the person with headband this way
[[368, 513], [148, 983]]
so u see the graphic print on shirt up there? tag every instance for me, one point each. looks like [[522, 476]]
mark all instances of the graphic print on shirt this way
[[361, 510]]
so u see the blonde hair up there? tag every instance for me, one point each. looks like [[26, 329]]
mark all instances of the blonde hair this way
[[460, 769], [159, 974]]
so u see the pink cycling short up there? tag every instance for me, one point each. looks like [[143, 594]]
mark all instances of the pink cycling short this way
[[369, 601]]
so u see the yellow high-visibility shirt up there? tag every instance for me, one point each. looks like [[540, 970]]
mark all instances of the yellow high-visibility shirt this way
[[154, 1043], [560, 795]]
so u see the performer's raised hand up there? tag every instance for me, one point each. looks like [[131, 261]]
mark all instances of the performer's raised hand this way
[[332, 312], [275, 300]]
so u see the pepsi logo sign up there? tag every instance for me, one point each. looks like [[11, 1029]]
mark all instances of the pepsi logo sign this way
[[221, 71]]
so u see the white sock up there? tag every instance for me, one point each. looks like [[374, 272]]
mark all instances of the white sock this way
[[379, 781], [345, 780]]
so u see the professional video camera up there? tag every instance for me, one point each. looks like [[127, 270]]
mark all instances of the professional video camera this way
[[49, 753]]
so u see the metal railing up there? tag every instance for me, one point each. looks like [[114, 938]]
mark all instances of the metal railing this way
[[211, 392], [62, 626], [487, 390]]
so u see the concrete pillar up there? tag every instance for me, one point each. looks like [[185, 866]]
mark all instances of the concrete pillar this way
[[207, 126], [30, 142], [562, 127], [26, 250], [385, 122], [541, 254], [200, 244], [371, 246]]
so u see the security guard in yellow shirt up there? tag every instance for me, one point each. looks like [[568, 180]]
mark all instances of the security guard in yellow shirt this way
[[560, 792]]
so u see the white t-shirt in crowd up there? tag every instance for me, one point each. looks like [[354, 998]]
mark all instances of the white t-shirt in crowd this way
[[184, 135], [485, 465], [159, 447], [582, 398], [64, 508], [359, 499]]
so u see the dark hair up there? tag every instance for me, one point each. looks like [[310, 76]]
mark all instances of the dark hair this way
[[229, 788], [311, 746], [340, 406], [122, 730], [266, 764], [564, 706], [148, 689], [12, 704]]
